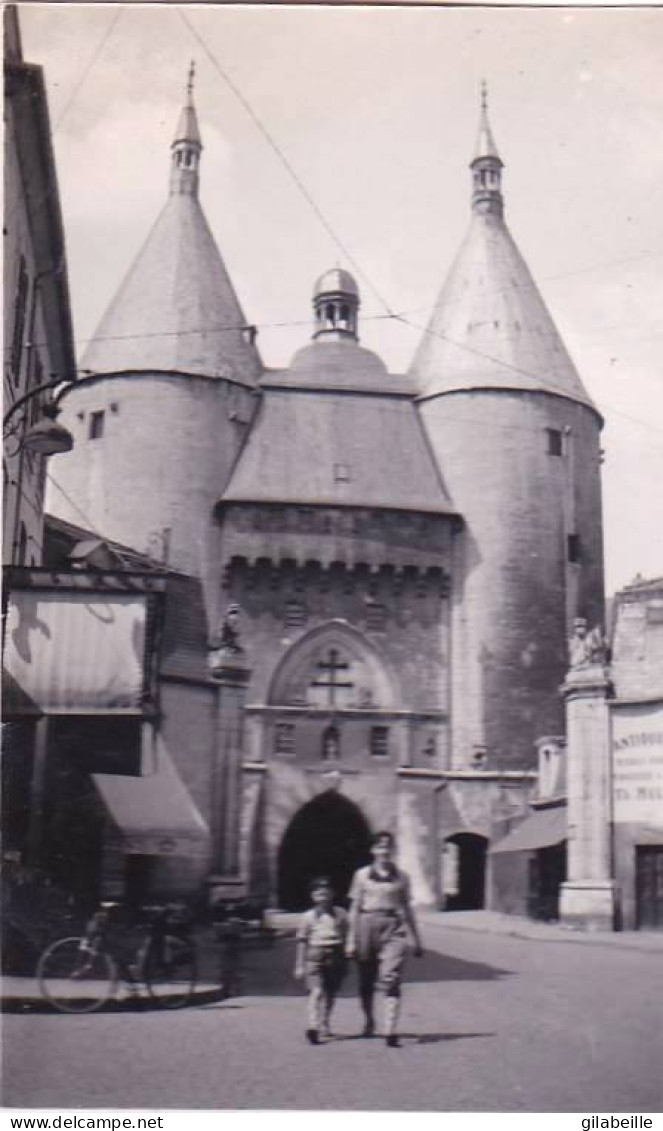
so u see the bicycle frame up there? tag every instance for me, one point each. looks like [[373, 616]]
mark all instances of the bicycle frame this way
[[163, 962]]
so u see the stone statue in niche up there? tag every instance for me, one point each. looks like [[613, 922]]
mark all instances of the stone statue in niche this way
[[331, 744], [586, 647], [225, 646], [430, 747]]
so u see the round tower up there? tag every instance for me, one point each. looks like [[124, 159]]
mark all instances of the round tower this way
[[169, 392], [516, 437]]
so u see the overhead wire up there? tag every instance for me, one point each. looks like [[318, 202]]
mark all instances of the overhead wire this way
[[90, 527], [11, 214], [392, 315], [546, 385], [276, 148], [213, 330], [86, 71]]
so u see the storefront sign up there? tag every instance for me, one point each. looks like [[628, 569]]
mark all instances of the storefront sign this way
[[637, 753]]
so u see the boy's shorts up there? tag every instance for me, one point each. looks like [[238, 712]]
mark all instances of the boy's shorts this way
[[325, 968]]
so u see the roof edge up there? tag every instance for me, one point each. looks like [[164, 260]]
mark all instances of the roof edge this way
[[588, 404], [282, 386], [137, 374], [367, 504]]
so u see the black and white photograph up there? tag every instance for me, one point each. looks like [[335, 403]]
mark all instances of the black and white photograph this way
[[332, 669]]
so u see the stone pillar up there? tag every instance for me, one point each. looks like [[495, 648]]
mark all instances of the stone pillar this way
[[588, 898], [232, 676]]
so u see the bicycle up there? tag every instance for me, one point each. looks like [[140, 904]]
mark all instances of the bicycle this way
[[79, 974]]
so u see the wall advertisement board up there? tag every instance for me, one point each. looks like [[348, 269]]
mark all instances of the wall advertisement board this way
[[637, 764]]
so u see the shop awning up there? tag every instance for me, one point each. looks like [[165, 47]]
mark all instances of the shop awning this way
[[155, 813], [541, 829]]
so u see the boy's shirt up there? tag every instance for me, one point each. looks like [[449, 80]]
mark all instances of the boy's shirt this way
[[319, 927]]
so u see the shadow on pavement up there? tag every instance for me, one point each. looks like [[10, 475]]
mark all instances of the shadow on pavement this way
[[271, 972], [264, 972], [415, 1038]]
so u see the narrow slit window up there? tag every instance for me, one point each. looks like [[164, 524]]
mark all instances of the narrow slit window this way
[[573, 548], [96, 429]]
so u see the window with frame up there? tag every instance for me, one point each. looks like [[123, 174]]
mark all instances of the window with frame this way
[[20, 309], [295, 614], [555, 442], [22, 545], [284, 738], [379, 742], [376, 616], [37, 380]]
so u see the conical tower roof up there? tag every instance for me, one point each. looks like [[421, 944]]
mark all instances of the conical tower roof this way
[[490, 327], [176, 310]]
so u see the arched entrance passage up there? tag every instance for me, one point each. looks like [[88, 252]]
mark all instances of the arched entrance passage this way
[[327, 837], [465, 865]]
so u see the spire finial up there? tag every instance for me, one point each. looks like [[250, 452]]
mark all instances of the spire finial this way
[[486, 164], [187, 146]]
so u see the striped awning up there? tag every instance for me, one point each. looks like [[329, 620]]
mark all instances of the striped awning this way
[[541, 829]]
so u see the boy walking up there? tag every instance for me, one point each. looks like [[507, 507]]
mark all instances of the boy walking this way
[[320, 956]]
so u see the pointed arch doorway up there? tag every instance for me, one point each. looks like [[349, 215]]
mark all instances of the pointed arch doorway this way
[[328, 836]]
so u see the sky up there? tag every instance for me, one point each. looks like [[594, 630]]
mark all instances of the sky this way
[[375, 111]]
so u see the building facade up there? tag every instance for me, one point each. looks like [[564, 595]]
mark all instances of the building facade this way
[[636, 717], [407, 552], [36, 319]]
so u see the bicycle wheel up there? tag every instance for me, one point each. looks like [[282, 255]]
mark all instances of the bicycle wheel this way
[[75, 978], [169, 971]]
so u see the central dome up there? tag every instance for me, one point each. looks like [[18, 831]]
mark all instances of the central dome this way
[[335, 282]]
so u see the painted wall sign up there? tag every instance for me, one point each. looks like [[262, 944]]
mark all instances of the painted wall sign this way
[[77, 652], [637, 753]]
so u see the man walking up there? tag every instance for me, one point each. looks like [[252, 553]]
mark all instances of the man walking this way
[[380, 916]]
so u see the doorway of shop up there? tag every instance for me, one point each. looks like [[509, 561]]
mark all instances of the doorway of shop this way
[[465, 890]]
